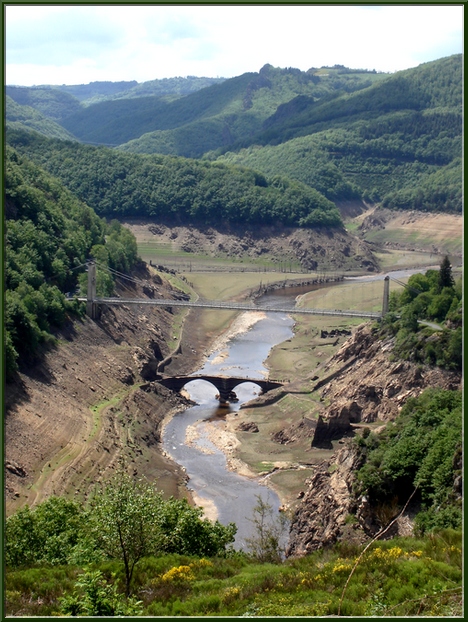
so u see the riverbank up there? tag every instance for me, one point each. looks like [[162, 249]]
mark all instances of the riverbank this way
[[257, 456], [282, 459]]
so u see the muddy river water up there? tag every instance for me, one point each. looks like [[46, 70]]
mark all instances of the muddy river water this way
[[223, 493]]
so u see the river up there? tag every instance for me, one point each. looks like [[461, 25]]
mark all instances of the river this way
[[186, 438], [225, 494]]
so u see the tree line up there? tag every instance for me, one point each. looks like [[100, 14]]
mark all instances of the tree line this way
[[434, 296], [49, 236], [176, 190]]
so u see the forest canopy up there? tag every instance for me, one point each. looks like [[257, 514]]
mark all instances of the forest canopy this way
[[176, 189], [50, 235]]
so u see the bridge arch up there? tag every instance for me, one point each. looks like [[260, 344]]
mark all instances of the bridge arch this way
[[224, 384]]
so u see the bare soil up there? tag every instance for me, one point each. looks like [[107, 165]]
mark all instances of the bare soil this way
[[439, 234], [73, 416], [311, 249]]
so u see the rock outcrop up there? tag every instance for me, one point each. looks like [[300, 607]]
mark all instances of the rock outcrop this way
[[372, 389], [321, 518], [365, 385]]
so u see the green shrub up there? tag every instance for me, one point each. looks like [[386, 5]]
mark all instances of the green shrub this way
[[93, 596]]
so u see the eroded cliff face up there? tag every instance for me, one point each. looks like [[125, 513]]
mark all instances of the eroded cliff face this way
[[314, 249], [367, 386], [364, 387], [89, 403]]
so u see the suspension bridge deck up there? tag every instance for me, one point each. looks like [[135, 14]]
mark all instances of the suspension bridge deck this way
[[236, 306]]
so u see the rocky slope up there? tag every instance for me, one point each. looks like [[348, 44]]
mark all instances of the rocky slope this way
[[361, 387], [89, 404], [314, 249]]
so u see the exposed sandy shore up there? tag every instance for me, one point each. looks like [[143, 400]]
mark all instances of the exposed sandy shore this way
[[241, 324], [207, 505]]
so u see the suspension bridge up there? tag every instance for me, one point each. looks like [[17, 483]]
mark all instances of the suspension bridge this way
[[93, 302]]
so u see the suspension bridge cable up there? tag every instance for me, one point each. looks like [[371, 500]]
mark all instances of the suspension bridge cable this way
[[406, 286], [126, 276], [54, 276], [121, 274]]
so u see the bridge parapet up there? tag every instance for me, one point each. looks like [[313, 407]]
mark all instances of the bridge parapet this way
[[224, 384]]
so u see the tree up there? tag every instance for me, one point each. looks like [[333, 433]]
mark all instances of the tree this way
[[46, 534], [266, 544], [184, 531], [122, 516], [445, 275]]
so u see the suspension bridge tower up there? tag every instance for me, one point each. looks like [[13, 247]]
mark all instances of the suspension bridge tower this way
[[386, 296], [91, 294]]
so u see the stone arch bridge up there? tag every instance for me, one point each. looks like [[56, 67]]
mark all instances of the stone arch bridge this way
[[224, 384]]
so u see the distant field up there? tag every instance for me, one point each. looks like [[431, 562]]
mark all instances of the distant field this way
[[184, 262], [225, 286], [399, 259], [434, 233], [351, 295]]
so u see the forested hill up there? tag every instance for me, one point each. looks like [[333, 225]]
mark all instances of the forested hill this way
[[225, 110], [50, 234], [348, 134], [176, 190], [435, 85], [20, 116], [94, 92], [398, 142]]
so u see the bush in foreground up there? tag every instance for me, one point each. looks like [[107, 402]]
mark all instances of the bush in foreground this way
[[400, 577]]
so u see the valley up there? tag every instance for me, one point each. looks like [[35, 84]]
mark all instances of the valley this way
[[102, 406], [233, 330]]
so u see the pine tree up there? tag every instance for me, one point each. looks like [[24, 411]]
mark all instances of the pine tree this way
[[445, 274]]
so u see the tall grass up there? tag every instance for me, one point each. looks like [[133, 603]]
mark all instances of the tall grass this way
[[399, 577]]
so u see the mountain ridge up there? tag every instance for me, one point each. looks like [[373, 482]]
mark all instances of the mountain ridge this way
[[393, 139]]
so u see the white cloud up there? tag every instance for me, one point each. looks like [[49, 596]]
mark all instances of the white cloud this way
[[78, 43]]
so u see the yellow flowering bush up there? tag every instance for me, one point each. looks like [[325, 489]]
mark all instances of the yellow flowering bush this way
[[386, 556], [230, 594], [342, 565], [201, 563], [178, 574]]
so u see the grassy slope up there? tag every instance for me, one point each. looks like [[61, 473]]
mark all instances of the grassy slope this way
[[403, 577]]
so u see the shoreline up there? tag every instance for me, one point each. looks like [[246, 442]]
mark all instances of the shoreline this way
[[221, 433]]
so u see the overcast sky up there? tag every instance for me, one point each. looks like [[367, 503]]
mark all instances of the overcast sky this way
[[68, 44]]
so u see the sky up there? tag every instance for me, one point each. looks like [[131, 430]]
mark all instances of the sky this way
[[77, 44]]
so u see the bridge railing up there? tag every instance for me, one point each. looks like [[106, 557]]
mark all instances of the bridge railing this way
[[236, 306]]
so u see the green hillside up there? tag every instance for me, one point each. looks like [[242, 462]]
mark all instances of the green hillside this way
[[398, 142], [208, 119], [49, 236], [96, 90], [51, 102], [175, 189], [164, 87], [116, 122], [348, 134], [27, 118], [434, 85]]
